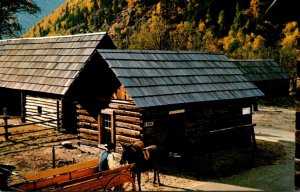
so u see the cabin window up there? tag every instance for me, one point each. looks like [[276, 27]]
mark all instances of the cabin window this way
[[106, 121], [107, 127], [39, 110]]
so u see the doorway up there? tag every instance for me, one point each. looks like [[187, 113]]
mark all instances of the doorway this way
[[175, 134]]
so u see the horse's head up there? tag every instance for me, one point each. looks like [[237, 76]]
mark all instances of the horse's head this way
[[126, 154], [130, 154]]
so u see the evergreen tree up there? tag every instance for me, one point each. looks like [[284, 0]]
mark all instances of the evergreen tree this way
[[8, 9]]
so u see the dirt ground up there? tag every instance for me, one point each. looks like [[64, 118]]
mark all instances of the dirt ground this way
[[33, 153]]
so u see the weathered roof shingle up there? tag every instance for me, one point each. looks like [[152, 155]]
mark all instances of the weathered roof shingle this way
[[47, 64], [158, 78], [261, 70]]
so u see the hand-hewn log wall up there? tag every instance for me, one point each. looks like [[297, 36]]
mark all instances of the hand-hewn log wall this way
[[127, 121], [87, 127], [42, 109], [126, 125]]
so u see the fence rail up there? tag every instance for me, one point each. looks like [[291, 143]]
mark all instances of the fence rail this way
[[7, 126]]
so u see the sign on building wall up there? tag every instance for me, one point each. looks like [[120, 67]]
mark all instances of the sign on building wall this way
[[176, 111], [247, 111]]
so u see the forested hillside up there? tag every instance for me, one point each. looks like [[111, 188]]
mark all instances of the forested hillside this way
[[242, 29], [46, 6]]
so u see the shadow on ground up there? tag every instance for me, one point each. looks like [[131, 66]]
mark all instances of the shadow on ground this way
[[224, 163]]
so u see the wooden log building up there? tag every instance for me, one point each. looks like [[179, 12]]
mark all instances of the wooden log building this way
[[38, 74], [174, 99], [267, 75]]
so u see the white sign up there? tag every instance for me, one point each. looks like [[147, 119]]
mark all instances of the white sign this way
[[246, 111], [149, 124], [176, 111]]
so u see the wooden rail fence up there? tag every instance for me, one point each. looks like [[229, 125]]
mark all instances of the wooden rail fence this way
[[7, 126]]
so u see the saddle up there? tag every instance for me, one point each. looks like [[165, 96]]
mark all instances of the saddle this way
[[146, 151]]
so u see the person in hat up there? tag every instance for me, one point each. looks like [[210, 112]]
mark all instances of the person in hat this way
[[106, 158]]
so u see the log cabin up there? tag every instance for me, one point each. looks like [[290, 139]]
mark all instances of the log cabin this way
[[37, 74], [272, 79], [175, 99]]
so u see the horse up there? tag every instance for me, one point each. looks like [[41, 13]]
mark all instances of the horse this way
[[145, 159]]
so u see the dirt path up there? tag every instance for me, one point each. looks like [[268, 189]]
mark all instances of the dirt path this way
[[236, 169]]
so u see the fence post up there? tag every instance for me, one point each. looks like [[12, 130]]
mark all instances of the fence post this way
[[23, 100], [58, 115], [53, 156], [5, 118]]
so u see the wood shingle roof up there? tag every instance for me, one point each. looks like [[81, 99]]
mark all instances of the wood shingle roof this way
[[261, 70], [158, 78], [47, 64]]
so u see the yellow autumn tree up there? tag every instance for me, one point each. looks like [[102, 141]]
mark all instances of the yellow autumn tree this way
[[288, 50], [291, 34], [180, 37], [153, 35]]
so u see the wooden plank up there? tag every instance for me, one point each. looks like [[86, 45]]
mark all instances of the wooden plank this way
[[57, 171], [82, 112], [88, 131], [128, 132], [133, 120], [52, 181], [128, 126], [96, 181], [78, 181], [123, 106], [39, 118], [126, 139], [77, 178], [44, 108], [35, 131], [40, 103], [31, 123], [82, 124], [99, 183], [88, 136], [113, 128], [127, 113], [57, 179], [32, 98], [86, 118]]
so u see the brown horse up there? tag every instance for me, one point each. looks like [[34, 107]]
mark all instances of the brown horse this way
[[145, 159]]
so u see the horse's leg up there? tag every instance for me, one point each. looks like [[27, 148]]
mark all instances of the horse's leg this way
[[154, 180], [156, 173], [138, 174], [158, 179]]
